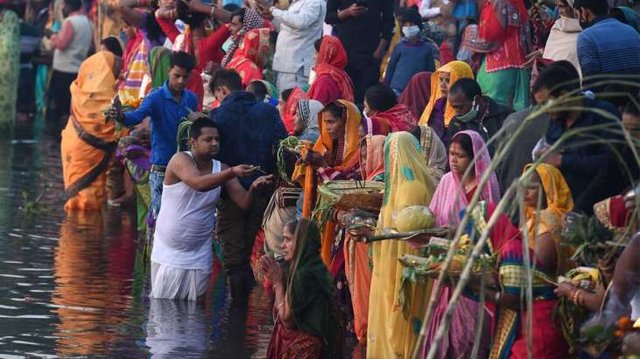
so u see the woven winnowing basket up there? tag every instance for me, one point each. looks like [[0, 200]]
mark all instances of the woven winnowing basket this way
[[351, 194]]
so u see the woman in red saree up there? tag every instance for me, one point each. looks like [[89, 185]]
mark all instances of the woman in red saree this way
[[249, 58], [505, 297], [332, 82], [380, 103]]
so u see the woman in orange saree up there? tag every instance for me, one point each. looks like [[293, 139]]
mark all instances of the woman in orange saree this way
[[88, 141], [357, 258], [335, 155], [249, 58]]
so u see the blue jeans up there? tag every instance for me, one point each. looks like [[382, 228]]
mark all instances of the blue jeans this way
[[155, 183]]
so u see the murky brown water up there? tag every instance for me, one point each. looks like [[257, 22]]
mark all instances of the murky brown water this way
[[74, 286]]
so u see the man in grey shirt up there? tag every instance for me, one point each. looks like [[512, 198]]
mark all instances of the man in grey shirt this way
[[71, 47]]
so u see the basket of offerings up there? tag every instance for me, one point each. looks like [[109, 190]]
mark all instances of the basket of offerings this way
[[350, 194], [414, 223], [435, 257]]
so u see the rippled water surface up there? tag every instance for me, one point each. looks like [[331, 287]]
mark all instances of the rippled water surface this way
[[75, 285]]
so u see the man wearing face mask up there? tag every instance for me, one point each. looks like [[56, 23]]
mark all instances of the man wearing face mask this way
[[606, 46], [474, 111], [410, 56]]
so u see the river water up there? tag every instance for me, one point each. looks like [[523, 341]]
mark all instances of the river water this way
[[75, 285]]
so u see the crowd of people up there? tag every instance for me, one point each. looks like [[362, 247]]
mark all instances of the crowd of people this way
[[224, 124]]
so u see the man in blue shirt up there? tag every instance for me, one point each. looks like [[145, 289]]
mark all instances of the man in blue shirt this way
[[251, 132], [606, 46], [166, 106]]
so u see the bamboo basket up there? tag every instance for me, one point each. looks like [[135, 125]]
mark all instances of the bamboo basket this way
[[351, 194]]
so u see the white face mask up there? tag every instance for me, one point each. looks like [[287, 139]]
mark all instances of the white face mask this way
[[410, 31]]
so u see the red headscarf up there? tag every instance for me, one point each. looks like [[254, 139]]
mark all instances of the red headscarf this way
[[249, 57], [291, 107], [332, 59], [417, 93], [399, 118]]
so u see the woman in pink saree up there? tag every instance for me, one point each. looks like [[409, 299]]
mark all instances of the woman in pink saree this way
[[467, 148]]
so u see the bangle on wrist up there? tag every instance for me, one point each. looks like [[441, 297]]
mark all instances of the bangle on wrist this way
[[279, 306], [574, 296]]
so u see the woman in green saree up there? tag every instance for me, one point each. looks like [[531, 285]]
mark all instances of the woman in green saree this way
[[306, 325]]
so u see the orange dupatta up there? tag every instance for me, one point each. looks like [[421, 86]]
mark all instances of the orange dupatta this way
[[346, 160]]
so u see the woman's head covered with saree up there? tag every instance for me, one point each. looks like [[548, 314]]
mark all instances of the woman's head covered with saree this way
[[310, 289], [372, 157], [291, 107], [331, 61], [556, 192], [450, 198], [433, 149], [406, 177], [380, 102], [249, 58], [339, 124], [417, 93], [441, 81], [556, 202], [94, 87], [250, 20], [306, 117]]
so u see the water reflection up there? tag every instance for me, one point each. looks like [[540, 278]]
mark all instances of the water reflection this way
[[93, 272], [76, 285], [176, 329]]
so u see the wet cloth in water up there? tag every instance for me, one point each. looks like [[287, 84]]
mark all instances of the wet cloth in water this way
[[182, 254]]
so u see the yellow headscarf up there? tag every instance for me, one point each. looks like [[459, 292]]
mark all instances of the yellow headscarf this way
[[457, 70], [559, 202], [351, 145], [556, 189]]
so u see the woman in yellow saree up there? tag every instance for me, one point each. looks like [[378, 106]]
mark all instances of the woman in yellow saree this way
[[88, 141], [393, 326]]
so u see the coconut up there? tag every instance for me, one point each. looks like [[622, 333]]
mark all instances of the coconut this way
[[414, 218]]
